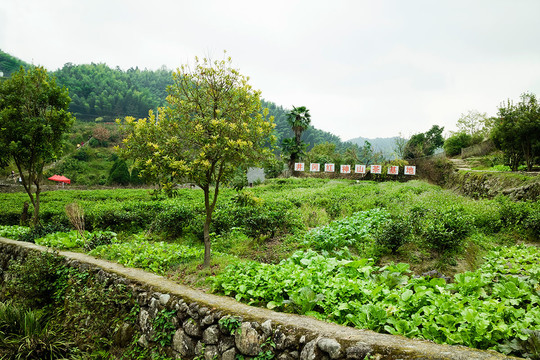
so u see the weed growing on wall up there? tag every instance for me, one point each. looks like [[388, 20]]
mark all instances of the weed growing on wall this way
[[60, 303]]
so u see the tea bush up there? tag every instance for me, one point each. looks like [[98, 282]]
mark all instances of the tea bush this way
[[446, 229], [174, 219], [393, 233], [258, 218]]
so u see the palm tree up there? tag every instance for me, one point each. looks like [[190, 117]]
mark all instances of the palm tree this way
[[299, 120]]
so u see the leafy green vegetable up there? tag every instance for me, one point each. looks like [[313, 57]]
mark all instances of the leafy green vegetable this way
[[482, 309]]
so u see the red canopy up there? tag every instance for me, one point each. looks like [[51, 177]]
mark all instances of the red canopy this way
[[60, 178]]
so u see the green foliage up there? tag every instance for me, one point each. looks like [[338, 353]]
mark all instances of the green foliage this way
[[298, 119], [500, 168], [14, 232], [10, 64], [33, 120], [255, 217], [81, 155], [156, 256], [424, 144], [35, 280], [204, 133], [119, 173], [40, 231], [453, 145], [481, 309], [446, 229], [230, 324], [174, 219], [517, 131], [99, 91], [304, 301], [62, 240], [26, 334], [355, 231], [394, 233], [163, 328], [60, 297], [526, 344], [99, 238]]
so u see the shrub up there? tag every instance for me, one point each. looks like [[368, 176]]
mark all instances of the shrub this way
[[99, 238], [453, 145], [95, 143], [532, 222], [174, 219], [136, 178], [34, 281], [446, 228], [393, 233], [119, 173], [26, 334], [81, 155], [512, 213]]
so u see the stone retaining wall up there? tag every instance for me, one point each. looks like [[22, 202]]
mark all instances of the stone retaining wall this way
[[482, 184], [483, 148], [201, 322]]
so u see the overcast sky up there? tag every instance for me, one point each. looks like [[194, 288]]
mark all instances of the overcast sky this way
[[363, 68]]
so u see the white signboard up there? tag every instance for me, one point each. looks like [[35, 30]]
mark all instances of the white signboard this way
[[393, 170], [410, 170], [360, 169], [376, 169], [345, 169]]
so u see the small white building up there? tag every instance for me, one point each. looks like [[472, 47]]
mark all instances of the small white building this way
[[255, 175]]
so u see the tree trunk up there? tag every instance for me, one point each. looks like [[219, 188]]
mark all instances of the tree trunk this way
[[36, 206], [206, 230], [207, 243], [24, 215], [292, 161]]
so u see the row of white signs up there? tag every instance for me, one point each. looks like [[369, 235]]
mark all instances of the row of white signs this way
[[358, 169]]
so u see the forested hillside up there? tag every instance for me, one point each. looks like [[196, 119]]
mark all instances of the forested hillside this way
[[98, 91], [103, 94], [10, 64]]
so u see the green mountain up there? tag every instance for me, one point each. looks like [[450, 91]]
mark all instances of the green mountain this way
[[10, 64], [386, 146]]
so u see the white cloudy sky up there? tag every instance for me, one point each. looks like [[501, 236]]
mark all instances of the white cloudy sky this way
[[364, 68]]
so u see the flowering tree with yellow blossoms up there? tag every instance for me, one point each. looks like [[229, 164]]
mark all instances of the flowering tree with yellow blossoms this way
[[212, 124]]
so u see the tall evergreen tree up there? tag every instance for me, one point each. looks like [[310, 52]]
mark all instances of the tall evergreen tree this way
[[299, 120]]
